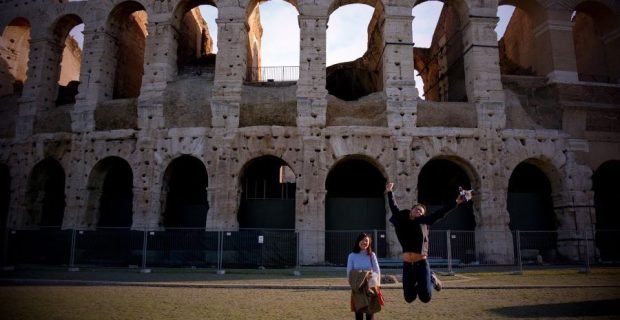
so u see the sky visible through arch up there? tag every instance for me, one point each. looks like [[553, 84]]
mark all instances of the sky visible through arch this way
[[347, 35]]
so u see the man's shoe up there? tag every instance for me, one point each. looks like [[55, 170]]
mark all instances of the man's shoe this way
[[435, 281]]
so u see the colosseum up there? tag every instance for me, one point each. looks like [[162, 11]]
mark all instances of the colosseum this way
[[143, 129]]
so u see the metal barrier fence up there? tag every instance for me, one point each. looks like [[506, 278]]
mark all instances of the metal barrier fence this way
[[270, 248], [272, 74]]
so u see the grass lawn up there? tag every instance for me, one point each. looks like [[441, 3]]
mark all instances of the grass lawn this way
[[463, 298]]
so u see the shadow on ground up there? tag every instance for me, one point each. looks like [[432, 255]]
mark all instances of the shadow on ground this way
[[562, 310]]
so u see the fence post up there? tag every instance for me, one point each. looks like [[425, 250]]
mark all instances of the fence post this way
[[72, 266], [144, 248], [220, 252], [587, 267], [449, 248], [376, 241], [297, 272], [519, 262]]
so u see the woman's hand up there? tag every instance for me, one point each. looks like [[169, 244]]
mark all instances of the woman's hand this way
[[389, 187]]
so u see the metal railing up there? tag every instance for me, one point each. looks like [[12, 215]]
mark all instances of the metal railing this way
[[272, 74], [274, 248]]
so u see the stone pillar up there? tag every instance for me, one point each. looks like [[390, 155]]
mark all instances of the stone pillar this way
[[398, 69], [311, 90], [223, 193], [403, 166], [310, 203], [481, 60], [230, 67], [160, 65], [556, 47], [95, 84], [41, 86], [574, 210], [493, 236]]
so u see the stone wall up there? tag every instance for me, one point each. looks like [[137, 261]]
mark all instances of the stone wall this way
[[563, 129]]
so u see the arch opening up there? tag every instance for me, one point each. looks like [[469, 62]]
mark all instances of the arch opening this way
[[184, 192], [197, 41], [14, 54], [606, 189], [441, 66], [354, 203], [111, 193], [596, 45], [354, 65], [46, 194], [531, 211]]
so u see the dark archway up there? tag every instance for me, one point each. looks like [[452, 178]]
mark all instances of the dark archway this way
[[267, 214], [267, 195], [438, 186], [185, 194], [127, 25], [46, 194], [531, 210], [354, 202], [5, 189], [606, 189], [529, 200], [111, 186]]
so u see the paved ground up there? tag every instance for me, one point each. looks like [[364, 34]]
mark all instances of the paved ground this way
[[306, 278]]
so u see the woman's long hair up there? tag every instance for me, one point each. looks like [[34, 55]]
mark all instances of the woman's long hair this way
[[356, 246]]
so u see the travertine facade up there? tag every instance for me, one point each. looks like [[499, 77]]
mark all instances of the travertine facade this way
[[139, 110]]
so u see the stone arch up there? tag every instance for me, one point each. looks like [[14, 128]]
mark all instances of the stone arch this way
[[68, 56], [442, 65], [354, 202], [517, 49], [110, 199], [254, 29], [194, 49], [606, 189], [352, 80], [595, 28], [45, 194], [184, 193], [126, 25], [438, 185], [267, 194], [531, 208], [15, 50]]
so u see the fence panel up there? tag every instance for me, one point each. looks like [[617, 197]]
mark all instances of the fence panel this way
[[47, 245], [108, 247], [178, 247], [273, 248], [259, 248]]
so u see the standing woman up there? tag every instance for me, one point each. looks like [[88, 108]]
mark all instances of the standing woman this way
[[361, 265]]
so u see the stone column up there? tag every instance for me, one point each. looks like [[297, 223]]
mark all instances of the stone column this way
[[223, 192], [556, 47], [310, 203], [95, 84], [493, 235], [230, 67], [160, 67], [398, 69], [574, 209], [481, 59], [311, 90], [41, 86]]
